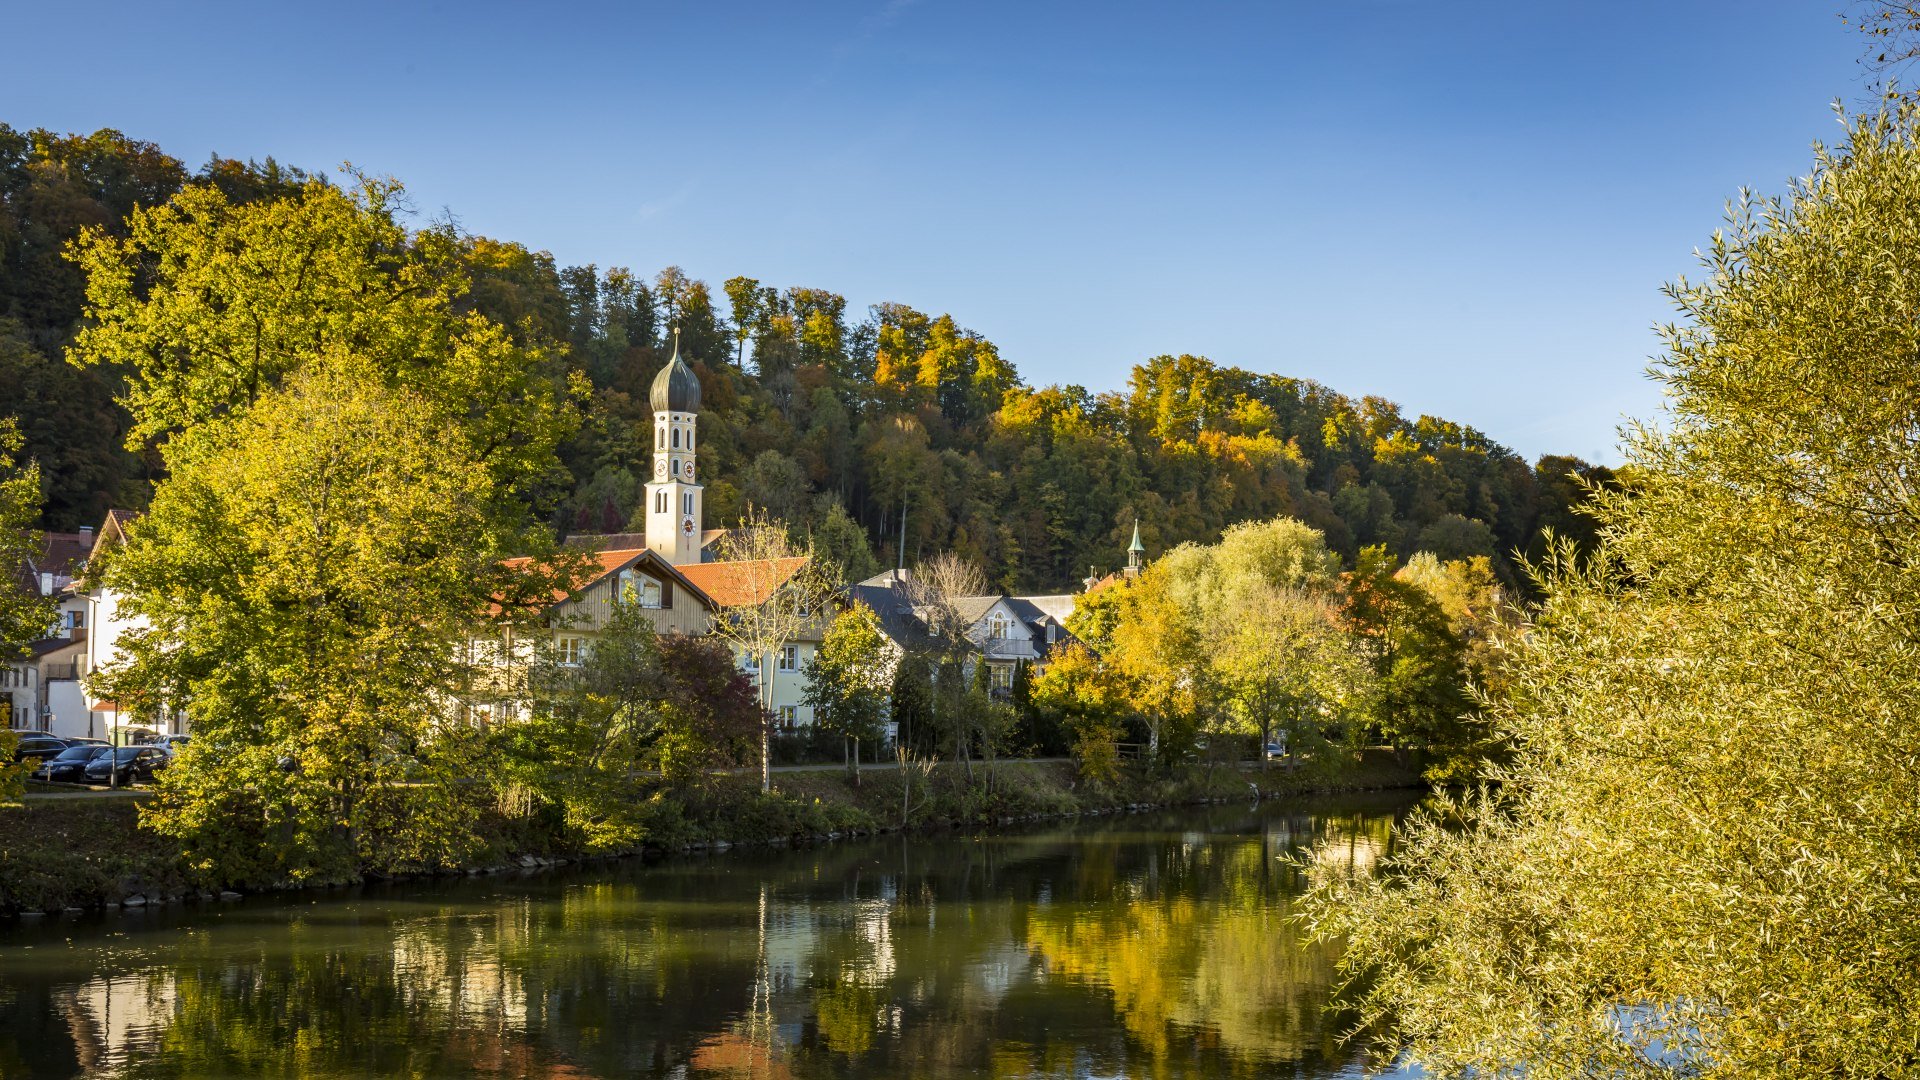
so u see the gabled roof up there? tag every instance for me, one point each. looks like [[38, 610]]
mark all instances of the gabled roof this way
[[732, 584], [893, 609], [1058, 607], [62, 553], [607, 563], [114, 529]]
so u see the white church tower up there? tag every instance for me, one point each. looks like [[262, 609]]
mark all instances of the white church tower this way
[[673, 497]]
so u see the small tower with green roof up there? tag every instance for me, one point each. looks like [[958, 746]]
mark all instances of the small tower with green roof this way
[[1135, 550]]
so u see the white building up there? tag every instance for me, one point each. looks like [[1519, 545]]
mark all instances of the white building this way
[[41, 691]]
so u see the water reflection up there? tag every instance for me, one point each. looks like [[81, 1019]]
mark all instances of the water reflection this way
[[1152, 945]]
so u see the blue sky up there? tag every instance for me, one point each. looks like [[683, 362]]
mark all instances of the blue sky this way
[[1465, 208]]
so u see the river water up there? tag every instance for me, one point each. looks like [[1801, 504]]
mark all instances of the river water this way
[[1157, 944]]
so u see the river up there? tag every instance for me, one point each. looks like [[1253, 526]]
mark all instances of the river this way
[[1158, 944]]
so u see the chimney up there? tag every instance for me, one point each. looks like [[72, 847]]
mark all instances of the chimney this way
[[86, 536]]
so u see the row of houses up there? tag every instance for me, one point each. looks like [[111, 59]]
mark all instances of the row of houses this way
[[672, 571], [49, 689]]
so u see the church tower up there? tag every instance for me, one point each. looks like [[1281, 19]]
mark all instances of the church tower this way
[[673, 496]]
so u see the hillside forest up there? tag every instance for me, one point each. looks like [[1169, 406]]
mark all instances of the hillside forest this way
[[907, 424]]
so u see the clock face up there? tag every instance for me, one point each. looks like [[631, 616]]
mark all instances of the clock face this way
[[660, 468], [686, 525], [688, 469]]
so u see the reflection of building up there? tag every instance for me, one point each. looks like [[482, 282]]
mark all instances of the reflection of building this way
[[465, 979], [114, 1018]]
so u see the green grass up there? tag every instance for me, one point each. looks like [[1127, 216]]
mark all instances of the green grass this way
[[87, 850], [82, 852]]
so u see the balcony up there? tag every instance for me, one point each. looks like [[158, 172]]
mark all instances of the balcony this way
[[1008, 648], [51, 672]]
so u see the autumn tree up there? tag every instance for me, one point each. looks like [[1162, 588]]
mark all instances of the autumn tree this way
[[1090, 705]]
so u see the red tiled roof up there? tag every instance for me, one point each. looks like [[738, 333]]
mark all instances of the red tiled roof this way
[[732, 584], [606, 562], [60, 553]]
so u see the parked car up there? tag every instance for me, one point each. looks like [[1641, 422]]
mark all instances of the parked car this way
[[127, 765], [37, 744], [138, 736], [69, 766], [170, 743]]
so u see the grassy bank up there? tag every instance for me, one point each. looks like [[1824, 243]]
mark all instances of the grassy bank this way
[[87, 851]]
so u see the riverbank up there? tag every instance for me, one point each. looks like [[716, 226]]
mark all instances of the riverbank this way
[[87, 852]]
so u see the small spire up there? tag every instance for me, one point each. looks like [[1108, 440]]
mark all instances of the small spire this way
[[1135, 550], [1136, 545]]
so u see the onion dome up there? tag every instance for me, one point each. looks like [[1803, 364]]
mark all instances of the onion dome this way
[[676, 388]]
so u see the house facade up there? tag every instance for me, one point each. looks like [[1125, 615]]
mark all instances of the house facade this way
[[1004, 631], [42, 691]]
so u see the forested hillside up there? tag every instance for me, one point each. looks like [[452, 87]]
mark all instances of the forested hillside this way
[[817, 415]]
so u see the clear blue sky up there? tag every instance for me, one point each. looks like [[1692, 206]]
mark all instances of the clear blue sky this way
[[1465, 208]]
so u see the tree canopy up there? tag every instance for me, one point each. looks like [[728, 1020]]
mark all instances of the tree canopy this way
[[910, 426], [1699, 861]]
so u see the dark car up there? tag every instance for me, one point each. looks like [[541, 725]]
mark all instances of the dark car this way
[[38, 744], [69, 766], [127, 765]]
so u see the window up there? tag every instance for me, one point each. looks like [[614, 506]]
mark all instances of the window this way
[[789, 716], [572, 650], [688, 499], [997, 626], [660, 502], [789, 658], [1000, 678], [660, 438], [76, 619], [751, 662], [676, 438], [649, 593]]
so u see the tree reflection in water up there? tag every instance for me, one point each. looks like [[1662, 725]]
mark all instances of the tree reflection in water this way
[[1156, 945]]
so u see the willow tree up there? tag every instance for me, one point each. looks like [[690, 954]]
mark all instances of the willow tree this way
[[1700, 860]]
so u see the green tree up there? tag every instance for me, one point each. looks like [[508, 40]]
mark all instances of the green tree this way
[[1283, 667], [848, 678], [207, 305], [311, 574], [841, 544], [25, 615], [1421, 698], [1699, 861]]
